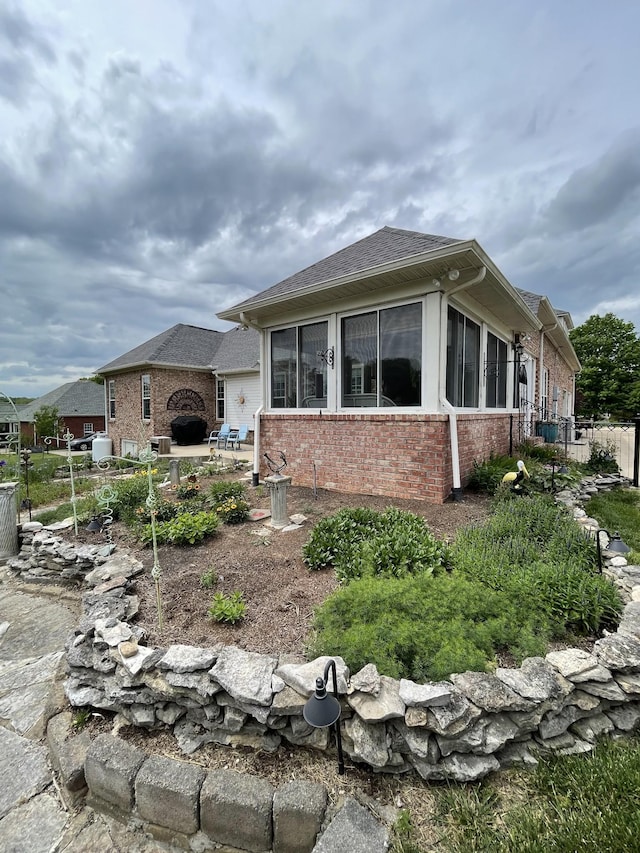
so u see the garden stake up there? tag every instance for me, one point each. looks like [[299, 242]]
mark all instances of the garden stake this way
[[146, 457]]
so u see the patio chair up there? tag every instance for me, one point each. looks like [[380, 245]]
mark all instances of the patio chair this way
[[219, 436], [236, 437]]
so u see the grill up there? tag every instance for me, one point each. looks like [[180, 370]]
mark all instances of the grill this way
[[188, 429]]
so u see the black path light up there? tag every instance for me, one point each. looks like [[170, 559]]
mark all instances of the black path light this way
[[323, 710], [616, 545]]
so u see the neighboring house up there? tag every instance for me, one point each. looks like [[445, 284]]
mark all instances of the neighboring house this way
[[8, 421], [80, 408], [391, 366], [184, 370]]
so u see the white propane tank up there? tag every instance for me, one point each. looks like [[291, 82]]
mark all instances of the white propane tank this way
[[101, 447]]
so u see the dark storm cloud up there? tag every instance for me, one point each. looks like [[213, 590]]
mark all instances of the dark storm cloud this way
[[600, 191]]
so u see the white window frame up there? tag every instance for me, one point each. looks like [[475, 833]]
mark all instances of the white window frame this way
[[145, 395], [111, 390], [87, 429]]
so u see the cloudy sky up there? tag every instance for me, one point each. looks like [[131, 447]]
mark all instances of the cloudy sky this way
[[163, 159]]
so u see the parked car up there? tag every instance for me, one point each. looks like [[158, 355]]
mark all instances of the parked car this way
[[83, 443]]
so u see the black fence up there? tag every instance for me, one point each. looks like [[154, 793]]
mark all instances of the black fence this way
[[577, 438]]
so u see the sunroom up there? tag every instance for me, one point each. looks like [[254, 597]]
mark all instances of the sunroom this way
[[392, 377]]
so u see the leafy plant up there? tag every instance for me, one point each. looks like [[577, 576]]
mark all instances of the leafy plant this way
[[188, 490], [602, 458], [233, 510], [335, 536], [222, 490], [486, 476], [228, 608], [185, 529], [363, 542], [208, 579]]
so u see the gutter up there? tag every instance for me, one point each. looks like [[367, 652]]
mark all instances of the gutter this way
[[456, 491]]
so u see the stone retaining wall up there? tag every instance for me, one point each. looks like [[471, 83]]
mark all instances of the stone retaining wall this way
[[459, 729]]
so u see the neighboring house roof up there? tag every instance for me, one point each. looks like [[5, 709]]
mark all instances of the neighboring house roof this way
[[83, 397], [384, 246], [239, 350], [191, 346], [179, 346]]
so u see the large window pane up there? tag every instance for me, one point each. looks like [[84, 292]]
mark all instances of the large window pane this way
[[313, 370], [463, 359], [401, 355], [283, 368], [382, 357], [298, 373], [496, 372], [360, 360]]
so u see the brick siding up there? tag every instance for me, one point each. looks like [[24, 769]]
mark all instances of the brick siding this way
[[128, 423], [398, 456]]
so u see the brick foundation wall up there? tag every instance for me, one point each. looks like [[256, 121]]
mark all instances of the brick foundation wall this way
[[400, 456], [128, 423]]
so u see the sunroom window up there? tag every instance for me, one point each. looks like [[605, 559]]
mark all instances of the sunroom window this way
[[298, 373], [496, 372], [463, 360], [382, 357]]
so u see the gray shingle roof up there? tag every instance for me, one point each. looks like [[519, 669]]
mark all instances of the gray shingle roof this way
[[239, 349], [384, 246], [73, 398], [179, 345], [531, 300]]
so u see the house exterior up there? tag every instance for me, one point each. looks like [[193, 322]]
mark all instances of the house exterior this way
[[184, 370], [80, 407], [392, 365]]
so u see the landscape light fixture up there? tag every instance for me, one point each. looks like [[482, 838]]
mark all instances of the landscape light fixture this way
[[323, 710], [616, 545], [95, 525]]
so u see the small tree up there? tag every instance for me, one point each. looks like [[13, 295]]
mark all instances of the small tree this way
[[47, 421]]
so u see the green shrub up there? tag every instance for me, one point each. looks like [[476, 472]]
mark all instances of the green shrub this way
[[185, 529], [336, 535], [188, 490], [363, 542], [533, 551], [423, 627], [164, 509], [486, 476], [228, 608], [233, 510], [222, 490], [402, 546], [602, 458], [131, 493]]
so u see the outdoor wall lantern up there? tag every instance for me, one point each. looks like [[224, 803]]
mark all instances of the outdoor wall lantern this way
[[616, 545], [323, 710]]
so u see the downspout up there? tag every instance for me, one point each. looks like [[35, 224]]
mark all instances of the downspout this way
[[255, 474], [456, 491]]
